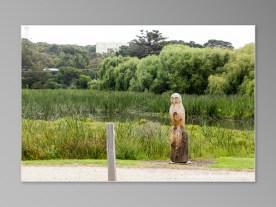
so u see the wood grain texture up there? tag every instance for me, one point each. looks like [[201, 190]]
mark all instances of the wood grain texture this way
[[111, 154]]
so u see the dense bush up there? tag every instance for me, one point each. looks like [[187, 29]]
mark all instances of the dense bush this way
[[83, 81], [107, 71], [124, 73], [148, 76], [183, 69], [217, 85], [237, 75], [67, 77], [189, 68]]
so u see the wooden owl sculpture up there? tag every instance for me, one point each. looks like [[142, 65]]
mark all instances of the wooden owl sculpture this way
[[178, 136], [177, 111]]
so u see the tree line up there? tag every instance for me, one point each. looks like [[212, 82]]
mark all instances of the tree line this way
[[183, 69], [148, 63], [77, 65]]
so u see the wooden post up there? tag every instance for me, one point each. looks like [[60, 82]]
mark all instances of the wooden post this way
[[111, 155], [179, 145]]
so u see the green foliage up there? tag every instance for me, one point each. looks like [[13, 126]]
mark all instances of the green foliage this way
[[148, 74], [94, 84], [189, 68], [164, 66], [35, 79], [238, 73], [68, 76], [53, 84], [147, 43], [178, 68], [247, 87], [83, 139], [73, 62], [83, 81], [217, 85], [181, 42], [107, 71], [36, 56], [124, 73], [218, 43]]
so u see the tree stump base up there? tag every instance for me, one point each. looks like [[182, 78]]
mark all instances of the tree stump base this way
[[179, 145]]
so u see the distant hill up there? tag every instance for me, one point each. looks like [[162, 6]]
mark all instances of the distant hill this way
[[36, 56]]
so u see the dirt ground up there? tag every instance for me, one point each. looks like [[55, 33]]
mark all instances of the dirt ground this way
[[149, 172]]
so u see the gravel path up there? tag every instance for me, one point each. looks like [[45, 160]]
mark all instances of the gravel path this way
[[92, 173]]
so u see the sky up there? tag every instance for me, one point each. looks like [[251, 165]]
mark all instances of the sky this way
[[238, 35]]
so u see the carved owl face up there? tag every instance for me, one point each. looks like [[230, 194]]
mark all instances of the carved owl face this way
[[176, 98]]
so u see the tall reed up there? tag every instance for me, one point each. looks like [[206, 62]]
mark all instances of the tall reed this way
[[72, 138], [54, 104]]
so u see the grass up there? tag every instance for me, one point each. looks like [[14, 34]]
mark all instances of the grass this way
[[234, 163], [70, 124], [93, 162], [71, 138], [54, 104]]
